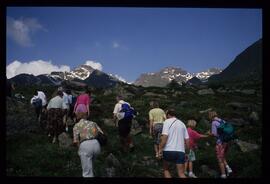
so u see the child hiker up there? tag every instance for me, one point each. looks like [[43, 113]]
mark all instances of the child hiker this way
[[194, 136]]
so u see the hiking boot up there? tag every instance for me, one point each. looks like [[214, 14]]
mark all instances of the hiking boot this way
[[192, 175]]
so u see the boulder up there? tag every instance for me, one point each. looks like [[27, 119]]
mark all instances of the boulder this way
[[109, 122], [254, 116], [245, 146], [110, 172], [136, 131], [206, 110], [112, 161], [238, 122], [248, 91], [238, 105], [206, 92], [65, 140]]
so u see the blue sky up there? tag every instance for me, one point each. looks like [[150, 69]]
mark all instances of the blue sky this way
[[130, 41]]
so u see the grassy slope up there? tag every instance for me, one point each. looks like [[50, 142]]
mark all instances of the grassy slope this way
[[32, 154]]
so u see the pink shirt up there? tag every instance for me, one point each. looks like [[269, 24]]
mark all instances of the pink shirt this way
[[83, 99], [193, 137]]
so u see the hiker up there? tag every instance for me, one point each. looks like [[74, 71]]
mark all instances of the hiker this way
[[174, 136], [55, 116], [156, 118], [84, 133], [39, 101], [66, 106], [194, 136], [124, 123], [82, 104], [221, 147]]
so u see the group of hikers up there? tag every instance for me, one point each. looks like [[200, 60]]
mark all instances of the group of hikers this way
[[173, 142]]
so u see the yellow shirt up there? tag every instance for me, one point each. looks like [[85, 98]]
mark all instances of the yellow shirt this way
[[157, 115]]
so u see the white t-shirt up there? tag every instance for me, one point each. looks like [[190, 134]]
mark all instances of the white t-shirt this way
[[42, 96], [117, 109], [177, 134]]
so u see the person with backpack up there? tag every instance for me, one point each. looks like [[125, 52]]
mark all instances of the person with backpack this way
[[123, 113], [39, 101], [156, 118], [194, 136], [84, 136], [174, 137], [221, 142]]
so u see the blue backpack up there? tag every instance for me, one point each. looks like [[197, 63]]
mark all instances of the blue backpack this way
[[37, 102], [225, 131], [129, 111]]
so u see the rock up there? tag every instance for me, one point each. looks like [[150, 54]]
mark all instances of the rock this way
[[221, 90], [177, 93], [64, 140], [109, 122], [150, 94], [146, 157], [135, 124], [19, 96], [183, 103], [136, 131], [204, 111], [238, 105], [209, 172], [146, 136], [206, 92], [112, 161], [254, 116], [248, 91], [245, 146], [110, 172], [238, 122], [108, 92]]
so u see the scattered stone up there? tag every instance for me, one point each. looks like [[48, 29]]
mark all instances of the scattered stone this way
[[206, 92], [238, 105], [135, 124], [238, 122], [254, 116], [204, 111], [146, 157], [112, 161], [146, 136], [109, 122], [177, 93], [64, 140], [221, 90], [155, 95], [248, 91], [207, 144], [136, 131], [245, 146], [110, 172], [19, 96]]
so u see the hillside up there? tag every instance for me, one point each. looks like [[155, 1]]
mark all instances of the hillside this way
[[247, 66], [30, 153]]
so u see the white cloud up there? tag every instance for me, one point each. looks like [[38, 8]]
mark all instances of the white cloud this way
[[33, 67], [115, 45], [95, 65], [21, 30]]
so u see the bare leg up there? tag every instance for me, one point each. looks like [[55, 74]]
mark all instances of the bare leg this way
[[156, 149], [221, 166], [180, 170], [190, 166], [166, 169]]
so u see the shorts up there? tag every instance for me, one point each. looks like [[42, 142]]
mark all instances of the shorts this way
[[176, 157], [221, 150], [81, 108], [190, 157], [157, 130], [124, 127]]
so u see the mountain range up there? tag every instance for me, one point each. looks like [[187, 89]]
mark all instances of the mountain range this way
[[247, 65], [166, 75]]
